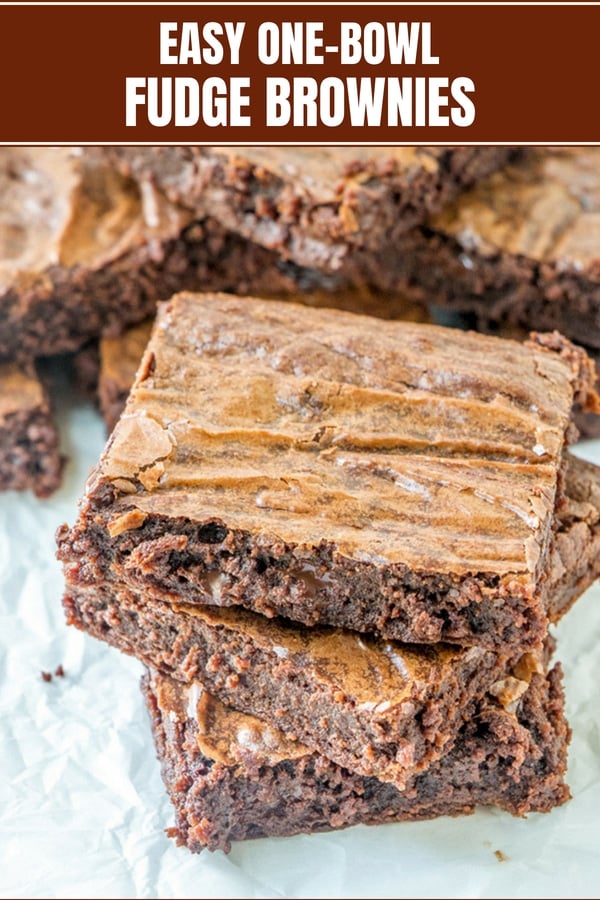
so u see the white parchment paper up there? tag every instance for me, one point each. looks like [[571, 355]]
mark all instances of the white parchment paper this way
[[83, 810]]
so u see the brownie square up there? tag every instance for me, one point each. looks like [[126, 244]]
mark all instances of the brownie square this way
[[232, 777], [321, 466], [29, 446], [377, 707]]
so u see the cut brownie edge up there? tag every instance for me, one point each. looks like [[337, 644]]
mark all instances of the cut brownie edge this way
[[499, 292], [513, 761], [391, 722]]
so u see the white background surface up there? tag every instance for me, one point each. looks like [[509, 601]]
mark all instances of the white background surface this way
[[83, 810]]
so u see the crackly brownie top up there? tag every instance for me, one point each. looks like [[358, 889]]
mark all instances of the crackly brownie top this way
[[545, 207], [393, 442], [61, 209], [120, 354], [19, 391]]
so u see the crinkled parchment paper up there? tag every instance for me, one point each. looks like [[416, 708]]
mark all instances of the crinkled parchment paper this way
[[83, 811]]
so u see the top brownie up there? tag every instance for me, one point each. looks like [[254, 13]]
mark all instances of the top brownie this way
[[398, 478], [522, 248], [313, 205]]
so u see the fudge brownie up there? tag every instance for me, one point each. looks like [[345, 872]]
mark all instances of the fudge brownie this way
[[85, 250], [314, 206], [574, 561], [119, 356], [377, 707], [521, 248], [314, 465], [232, 777], [29, 451]]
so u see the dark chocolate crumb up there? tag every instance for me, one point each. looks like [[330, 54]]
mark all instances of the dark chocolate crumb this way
[[59, 671], [46, 676]]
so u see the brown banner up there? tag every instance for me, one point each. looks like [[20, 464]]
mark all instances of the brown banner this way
[[216, 73]]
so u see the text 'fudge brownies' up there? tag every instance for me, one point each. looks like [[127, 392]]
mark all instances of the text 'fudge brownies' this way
[[231, 776], [402, 479]]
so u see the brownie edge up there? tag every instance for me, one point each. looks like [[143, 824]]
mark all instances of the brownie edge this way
[[515, 761], [29, 444]]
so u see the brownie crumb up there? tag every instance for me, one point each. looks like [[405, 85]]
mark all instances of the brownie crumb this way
[[46, 676], [500, 856], [59, 671]]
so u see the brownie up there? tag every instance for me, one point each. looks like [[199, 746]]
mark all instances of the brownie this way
[[314, 205], [85, 250], [377, 707], [519, 249], [314, 465], [119, 358], [231, 777], [29, 447], [84, 370]]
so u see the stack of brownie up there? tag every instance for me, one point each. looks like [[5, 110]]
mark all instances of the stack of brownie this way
[[88, 247], [337, 544], [338, 548]]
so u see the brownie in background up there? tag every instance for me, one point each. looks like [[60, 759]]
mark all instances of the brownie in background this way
[[29, 446]]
